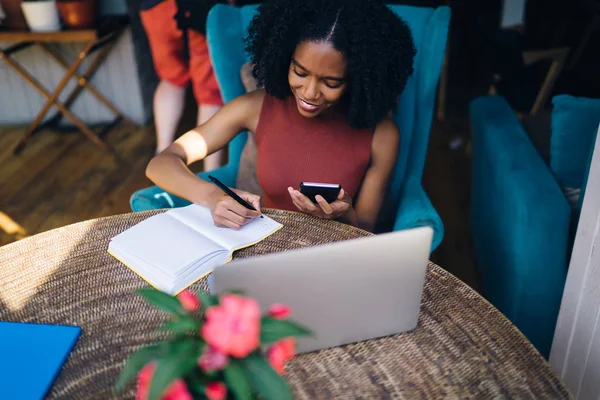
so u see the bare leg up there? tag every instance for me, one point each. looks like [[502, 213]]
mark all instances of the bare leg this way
[[215, 160], [168, 107]]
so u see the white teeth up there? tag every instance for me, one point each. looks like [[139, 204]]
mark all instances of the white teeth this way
[[308, 106]]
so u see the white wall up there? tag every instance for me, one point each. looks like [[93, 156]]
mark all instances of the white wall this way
[[116, 79], [575, 354]]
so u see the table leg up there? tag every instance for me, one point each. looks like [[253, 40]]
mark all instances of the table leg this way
[[52, 100], [83, 80]]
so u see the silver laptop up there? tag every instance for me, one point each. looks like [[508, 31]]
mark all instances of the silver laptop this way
[[344, 292]]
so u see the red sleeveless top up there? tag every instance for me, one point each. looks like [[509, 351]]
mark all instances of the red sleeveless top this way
[[292, 148]]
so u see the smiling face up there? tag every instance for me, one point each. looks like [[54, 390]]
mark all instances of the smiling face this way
[[317, 77]]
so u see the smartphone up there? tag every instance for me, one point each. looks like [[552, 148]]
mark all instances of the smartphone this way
[[329, 191]]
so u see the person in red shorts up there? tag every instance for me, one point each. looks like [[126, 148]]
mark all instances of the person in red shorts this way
[[176, 34]]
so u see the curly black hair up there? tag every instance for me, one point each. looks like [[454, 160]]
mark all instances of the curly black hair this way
[[377, 44]]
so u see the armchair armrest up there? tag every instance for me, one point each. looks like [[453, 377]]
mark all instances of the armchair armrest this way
[[153, 197], [519, 222], [226, 174], [415, 210]]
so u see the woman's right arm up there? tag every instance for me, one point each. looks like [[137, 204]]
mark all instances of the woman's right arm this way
[[169, 169]]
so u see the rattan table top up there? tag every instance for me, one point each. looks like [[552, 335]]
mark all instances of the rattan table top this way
[[462, 348]]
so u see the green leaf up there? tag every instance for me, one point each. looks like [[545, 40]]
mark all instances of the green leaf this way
[[272, 330], [179, 362], [182, 325], [206, 300], [162, 300], [264, 380], [236, 380], [136, 361]]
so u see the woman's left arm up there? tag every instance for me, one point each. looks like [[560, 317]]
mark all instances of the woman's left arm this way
[[384, 153]]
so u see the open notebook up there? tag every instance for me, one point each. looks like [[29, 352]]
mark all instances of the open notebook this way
[[174, 249]]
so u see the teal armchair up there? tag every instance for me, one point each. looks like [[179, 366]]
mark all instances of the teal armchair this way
[[408, 205], [521, 222]]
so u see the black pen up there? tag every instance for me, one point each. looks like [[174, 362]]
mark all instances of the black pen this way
[[231, 193]]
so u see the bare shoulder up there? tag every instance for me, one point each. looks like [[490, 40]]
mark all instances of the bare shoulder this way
[[253, 96], [387, 136], [250, 101], [248, 107]]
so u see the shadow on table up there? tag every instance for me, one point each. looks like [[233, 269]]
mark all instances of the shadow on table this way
[[66, 277]]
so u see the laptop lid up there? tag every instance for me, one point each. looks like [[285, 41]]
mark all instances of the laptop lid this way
[[31, 357], [345, 291]]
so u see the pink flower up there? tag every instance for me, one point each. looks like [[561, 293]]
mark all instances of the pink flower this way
[[281, 351], [212, 360], [234, 326], [176, 390], [143, 381], [280, 311], [189, 300], [216, 391]]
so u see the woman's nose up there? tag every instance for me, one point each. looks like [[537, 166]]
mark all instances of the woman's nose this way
[[311, 90]]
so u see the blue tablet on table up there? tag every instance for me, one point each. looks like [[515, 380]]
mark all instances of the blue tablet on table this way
[[31, 357]]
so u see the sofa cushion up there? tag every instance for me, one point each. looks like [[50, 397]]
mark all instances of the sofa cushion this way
[[539, 131], [587, 171], [574, 125]]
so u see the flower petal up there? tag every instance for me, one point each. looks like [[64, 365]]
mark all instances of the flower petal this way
[[216, 391], [280, 311]]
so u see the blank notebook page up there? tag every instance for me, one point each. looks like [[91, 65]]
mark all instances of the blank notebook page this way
[[200, 218], [163, 241]]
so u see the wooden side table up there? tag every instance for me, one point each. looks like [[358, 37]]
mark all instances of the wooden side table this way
[[96, 41]]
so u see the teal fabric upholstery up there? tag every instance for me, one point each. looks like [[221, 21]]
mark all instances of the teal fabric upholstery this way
[[574, 125], [520, 219], [408, 205], [587, 172]]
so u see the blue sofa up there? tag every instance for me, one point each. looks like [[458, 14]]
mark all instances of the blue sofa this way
[[521, 222], [408, 205]]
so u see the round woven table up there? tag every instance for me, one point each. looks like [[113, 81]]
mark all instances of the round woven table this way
[[462, 348]]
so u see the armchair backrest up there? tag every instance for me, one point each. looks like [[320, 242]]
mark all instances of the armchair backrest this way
[[227, 26]]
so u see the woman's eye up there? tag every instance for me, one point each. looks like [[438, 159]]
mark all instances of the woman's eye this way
[[300, 74], [333, 86]]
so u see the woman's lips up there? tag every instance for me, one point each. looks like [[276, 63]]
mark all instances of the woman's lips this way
[[308, 107]]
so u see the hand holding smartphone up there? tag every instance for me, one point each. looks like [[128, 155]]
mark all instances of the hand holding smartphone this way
[[329, 191]]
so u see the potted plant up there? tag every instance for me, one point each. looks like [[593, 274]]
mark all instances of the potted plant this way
[[78, 14], [41, 15], [220, 348]]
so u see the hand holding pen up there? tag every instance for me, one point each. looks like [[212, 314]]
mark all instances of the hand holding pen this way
[[233, 208]]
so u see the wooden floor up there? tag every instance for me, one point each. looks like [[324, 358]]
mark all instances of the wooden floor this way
[[61, 178]]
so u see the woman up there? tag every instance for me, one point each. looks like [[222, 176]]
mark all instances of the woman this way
[[332, 72]]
